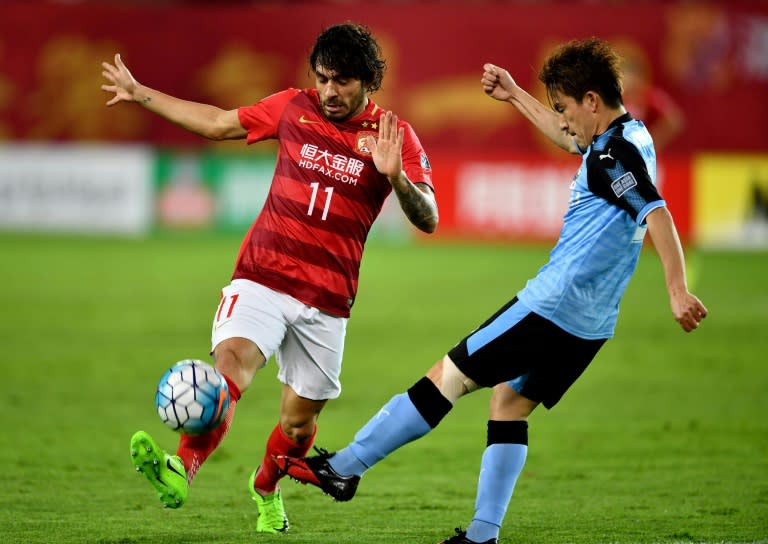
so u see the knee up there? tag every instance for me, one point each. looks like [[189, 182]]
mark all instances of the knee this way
[[238, 359], [451, 381], [299, 430], [507, 404]]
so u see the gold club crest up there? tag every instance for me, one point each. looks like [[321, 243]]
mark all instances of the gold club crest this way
[[362, 141]]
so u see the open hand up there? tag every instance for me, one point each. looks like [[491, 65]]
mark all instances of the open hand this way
[[122, 82], [386, 150]]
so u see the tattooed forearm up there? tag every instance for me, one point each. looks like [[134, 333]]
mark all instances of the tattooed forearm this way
[[418, 205]]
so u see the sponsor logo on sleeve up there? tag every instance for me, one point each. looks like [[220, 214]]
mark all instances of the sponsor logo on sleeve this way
[[623, 184]]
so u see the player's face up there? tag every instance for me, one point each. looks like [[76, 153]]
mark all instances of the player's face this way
[[340, 98], [577, 119]]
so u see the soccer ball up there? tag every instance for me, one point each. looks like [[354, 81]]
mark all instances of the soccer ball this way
[[192, 397]]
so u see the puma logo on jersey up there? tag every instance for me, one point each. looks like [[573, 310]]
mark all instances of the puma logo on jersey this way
[[606, 156], [303, 120]]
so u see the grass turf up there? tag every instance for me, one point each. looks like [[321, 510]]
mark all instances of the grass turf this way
[[664, 439]]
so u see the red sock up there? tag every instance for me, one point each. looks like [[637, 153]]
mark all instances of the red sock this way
[[194, 450], [278, 444]]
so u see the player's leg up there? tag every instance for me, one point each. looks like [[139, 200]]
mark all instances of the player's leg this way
[[245, 332], [309, 361], [403, 419], [557, 359], [502, 461], [171, 475], [293, 435], [246, 329], [493, 353], [237, 359]]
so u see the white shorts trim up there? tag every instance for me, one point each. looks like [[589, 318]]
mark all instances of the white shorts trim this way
[[307, 343]]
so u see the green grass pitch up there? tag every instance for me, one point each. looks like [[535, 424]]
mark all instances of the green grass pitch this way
[[663, 440]]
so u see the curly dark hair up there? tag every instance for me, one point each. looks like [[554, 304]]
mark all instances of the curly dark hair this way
[[349, 50], [585, 65]]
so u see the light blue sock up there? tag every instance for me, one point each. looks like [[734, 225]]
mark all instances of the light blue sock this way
[[499, 469], [396, 424]]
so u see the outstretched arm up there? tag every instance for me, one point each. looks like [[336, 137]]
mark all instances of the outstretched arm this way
[[687, 310], [416, 199], [203, 119], [498, 84]]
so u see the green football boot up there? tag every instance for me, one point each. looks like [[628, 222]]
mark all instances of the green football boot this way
[[272, 518], [165, 472]]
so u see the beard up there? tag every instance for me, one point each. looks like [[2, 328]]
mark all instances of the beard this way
[[337, 109]]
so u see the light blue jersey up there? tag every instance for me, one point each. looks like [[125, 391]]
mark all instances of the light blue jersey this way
[[579, 289]]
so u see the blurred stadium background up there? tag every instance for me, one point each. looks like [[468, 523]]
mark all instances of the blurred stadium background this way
[[118, 229], [67, 163]]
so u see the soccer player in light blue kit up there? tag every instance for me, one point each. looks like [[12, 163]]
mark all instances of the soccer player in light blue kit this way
[[535, 347]]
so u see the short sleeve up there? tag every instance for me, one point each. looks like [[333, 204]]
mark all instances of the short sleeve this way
[[261, 119], [619, 174], [415, 161]]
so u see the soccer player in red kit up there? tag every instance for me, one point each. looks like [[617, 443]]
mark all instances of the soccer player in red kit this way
[[340, 156]]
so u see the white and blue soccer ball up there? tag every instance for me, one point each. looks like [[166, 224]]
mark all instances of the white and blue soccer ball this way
[[192, 397]]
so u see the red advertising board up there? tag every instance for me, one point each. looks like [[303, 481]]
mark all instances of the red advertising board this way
[[709, 56]]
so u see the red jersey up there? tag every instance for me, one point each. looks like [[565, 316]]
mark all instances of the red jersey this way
[[325, 195]]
